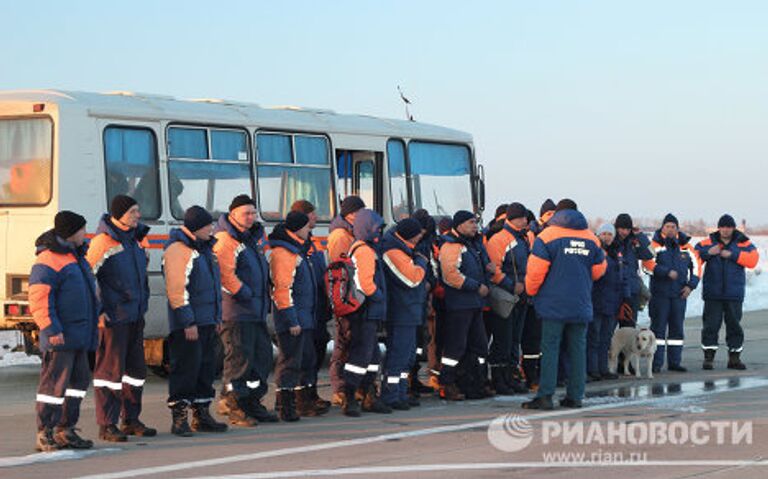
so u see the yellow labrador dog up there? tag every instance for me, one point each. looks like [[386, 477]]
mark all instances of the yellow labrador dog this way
[[635, 344]]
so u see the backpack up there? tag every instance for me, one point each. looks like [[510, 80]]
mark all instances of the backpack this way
[[343, 297]]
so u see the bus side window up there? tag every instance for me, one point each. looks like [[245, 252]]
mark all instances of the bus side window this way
[[130, 157]]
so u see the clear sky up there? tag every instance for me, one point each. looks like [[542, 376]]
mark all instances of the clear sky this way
[[645, 107]]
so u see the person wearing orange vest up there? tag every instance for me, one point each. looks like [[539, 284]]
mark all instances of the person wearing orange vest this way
[[362, 366], [340, 239]]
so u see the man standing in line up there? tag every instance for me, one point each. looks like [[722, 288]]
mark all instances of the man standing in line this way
[[725, 253], [119, 260], [245, 304], [675, 273], [65, 306]]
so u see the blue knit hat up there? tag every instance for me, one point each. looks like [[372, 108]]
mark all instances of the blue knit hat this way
[[408, 228]]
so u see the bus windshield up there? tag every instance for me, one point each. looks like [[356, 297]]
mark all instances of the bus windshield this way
[[25, 161], [441, 177]]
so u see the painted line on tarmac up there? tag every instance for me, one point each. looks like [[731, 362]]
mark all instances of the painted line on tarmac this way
[[483, 466], [42, 457], [747, 383]]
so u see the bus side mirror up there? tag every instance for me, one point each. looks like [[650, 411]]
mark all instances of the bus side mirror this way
[[480, 188]]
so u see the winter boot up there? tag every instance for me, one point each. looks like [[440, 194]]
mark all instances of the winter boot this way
[[137, 428], [202, 421], [67, 438], [320, 402], [450, 392], [304, 405], [258, 411], [180, 426], [44, 441], [233, 407], [709, 359], [111, 433], [516, 379], [350, 405], [734, 361], [499, 380], [373, 403], [287, 410]]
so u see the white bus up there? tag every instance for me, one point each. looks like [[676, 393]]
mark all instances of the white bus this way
[[74, 150]]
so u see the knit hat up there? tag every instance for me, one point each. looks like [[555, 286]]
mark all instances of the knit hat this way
[[530, 216], [351, 204], [196, 217], [606, 228], [670, 218], [566, 204], [120, 205], [295, 221], [408, 228], [67, 223], [501, 210], [548, 205], [726, 221], [445, 224], [241, 200], [623, 221], [516, 210], [304, 206], [460, 217], [425, 220]]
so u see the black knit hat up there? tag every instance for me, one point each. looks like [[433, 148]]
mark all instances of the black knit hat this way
[[461, 216], [624, 221], [548, 205], [408, 228], [501, 210], [566, 204], [351, 204], [120, 205], [196, 217], [67, 223], [241, 200], [445, 224], [295, 221], [670, 218], [516, 210], [726, 221], [530, 216]]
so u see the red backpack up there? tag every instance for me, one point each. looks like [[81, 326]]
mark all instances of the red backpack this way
[[343, 297]]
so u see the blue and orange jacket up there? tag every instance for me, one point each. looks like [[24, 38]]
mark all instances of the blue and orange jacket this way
[[294, 290], [340, 238], [62, 295], [613, 288], [565, 261], [369, 273], [316, 259], [509, 250], [636, 247], [119, 260], [244, 272], [462, 268], [405, 272], [541, 224], [192, 281], [725, 279], [672, 254]]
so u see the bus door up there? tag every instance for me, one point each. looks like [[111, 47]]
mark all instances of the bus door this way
[[360, 173]]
